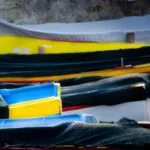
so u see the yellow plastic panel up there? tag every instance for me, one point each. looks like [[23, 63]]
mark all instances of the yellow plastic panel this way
[[36, 108], [26, 45]]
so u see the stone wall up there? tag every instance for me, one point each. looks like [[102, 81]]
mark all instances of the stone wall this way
[[42, 11]]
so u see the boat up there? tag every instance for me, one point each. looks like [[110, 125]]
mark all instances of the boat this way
[[53, 67], [39, 117], [56, 38], [79, 130], [25, 102], [79, 134], [28, 45]]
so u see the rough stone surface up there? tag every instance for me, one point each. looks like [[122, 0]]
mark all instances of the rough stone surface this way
[[41, 11]]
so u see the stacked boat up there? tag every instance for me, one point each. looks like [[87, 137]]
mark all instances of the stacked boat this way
[[80, 87], [38, 115]]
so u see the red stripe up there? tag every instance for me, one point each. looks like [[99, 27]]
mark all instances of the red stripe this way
[[122, 67], [76, 107], [20, 81], [145, 125], [74, 41], [75, 148]]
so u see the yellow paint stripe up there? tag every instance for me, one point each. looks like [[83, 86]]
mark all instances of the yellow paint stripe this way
[[26, 45]]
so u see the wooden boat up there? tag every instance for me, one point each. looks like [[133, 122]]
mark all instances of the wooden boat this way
[[28, 45], [26, 102], [144, 68], [41, 131], [43, 136], [75, 37], [43, 68]]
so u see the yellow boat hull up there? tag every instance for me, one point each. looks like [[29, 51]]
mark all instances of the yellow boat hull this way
[[26, 45]]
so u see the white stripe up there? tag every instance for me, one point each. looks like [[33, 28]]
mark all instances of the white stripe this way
[[132, 110], [148, 109]]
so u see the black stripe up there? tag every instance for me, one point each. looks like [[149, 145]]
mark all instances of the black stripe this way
[[4, 110], [61, 64]]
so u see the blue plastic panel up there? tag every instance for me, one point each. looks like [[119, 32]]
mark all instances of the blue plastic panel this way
[[12, 96], [45, 121]]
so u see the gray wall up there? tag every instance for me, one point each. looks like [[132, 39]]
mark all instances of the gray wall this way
[[41, 11]]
